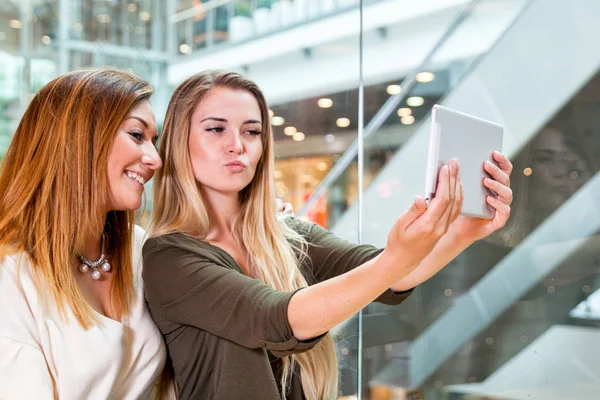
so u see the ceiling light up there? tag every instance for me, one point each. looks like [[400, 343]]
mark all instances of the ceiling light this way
[[394, 89], [298, 136], [290, 130], [322, 166], [527, 171], [271, 113], [278, 174], [415, 101], [325, 103], [404, 112], [343, 122], [408, 120], [77, 26], [46, 39], [15, 24], [103, 18], [185, 49], [145, 16], [132, 7], [277, 121], [329, 138], [425, 77]]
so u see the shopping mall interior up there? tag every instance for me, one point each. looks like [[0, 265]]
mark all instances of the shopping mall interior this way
[[515, 315]]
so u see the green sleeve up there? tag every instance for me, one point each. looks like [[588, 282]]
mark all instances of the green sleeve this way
[[330, 256], [188, 286]]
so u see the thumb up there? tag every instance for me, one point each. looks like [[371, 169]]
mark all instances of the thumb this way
[[418, 207]]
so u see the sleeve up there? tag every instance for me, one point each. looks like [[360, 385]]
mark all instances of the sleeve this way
[[23, 372], [330, 256], [186, 288]]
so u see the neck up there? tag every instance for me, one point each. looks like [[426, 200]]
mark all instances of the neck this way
[[92, 247], [221, 209]]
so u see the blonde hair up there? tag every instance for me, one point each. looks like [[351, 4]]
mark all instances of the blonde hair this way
[[53, 184], [272, 247]]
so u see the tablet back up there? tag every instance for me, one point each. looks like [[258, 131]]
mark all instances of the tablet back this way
[[471, 140]]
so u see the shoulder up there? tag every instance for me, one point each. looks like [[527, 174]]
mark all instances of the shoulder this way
[[302, 227], [19, 298], [177, 248]]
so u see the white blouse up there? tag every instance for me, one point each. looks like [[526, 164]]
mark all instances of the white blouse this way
[[43, 356]]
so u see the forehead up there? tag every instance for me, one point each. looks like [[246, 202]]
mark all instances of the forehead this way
[[226, 102], [143, 110]]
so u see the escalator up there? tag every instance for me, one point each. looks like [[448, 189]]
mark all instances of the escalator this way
[[507, 318]]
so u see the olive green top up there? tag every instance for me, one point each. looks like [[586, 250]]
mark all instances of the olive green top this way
[[226, 332]]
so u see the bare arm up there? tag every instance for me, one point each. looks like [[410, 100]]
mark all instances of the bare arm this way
[[318, 308]]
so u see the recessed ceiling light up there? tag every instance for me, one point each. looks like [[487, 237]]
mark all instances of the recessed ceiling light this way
[[343, 122], [185, 49], [132, 7], [322, 166], [271, 113], [425, 77], [145, 16], [298, 136], [46, 39], [394, 89], [15, 24], [278, 174], [325, 103], [404, 112], [408, 120], [277, 121], [290, 130], [527, 171], [415, 101], [330, 138]]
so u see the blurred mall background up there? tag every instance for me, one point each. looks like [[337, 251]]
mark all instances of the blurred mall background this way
[[516, 316]]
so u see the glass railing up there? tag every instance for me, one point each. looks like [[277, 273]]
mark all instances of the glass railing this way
[[467, 37], [216, 24], [513, 316]]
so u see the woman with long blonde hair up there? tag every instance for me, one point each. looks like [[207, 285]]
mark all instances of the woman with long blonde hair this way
[[245, 300], [73, 320]]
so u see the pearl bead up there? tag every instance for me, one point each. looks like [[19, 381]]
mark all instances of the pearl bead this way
[[106, 267], [96, 275], [83, 268]]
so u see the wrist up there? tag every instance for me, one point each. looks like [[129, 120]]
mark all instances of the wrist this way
[[462, 241]]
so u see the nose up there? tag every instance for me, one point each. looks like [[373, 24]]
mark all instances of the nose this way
[[151, 158], [234, 144]]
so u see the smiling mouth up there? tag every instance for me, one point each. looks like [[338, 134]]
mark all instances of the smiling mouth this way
[[138, 178]]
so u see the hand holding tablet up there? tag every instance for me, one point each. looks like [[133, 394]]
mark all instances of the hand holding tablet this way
[[472, 141]]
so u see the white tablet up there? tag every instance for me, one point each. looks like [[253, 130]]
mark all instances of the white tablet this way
[[471, 140]]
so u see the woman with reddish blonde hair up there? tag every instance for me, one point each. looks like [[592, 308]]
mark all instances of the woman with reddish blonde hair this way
[[73, 320]]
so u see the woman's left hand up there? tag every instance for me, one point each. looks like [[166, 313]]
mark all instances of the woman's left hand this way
[[469, 229], [284, 209]]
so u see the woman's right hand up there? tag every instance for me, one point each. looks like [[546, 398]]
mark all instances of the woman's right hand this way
[[417, 231]]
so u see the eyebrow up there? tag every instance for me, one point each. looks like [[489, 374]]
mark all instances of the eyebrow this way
[[140, 119], [250, 121]]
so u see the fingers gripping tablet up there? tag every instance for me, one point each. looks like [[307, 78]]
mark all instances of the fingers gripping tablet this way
[[472, 141]]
